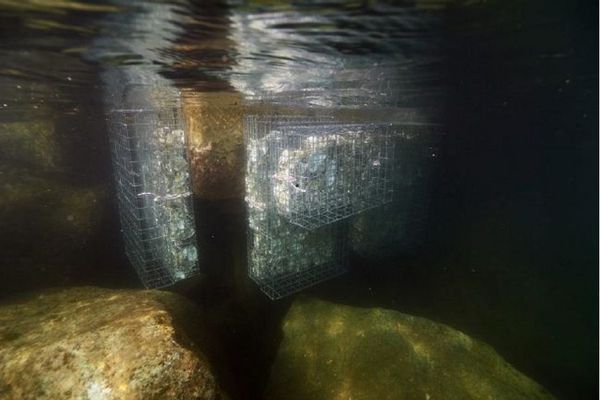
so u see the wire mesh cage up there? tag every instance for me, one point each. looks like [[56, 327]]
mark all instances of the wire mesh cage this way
[[399, 227], [319, 171], [285, 258], [304, 177], [152, 181]]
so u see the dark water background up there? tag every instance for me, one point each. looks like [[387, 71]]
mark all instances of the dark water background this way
[[510, 251]]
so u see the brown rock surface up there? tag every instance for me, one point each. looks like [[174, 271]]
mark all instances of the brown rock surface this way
[[101, 344], [332, 351], [47, 227], [51, 208]]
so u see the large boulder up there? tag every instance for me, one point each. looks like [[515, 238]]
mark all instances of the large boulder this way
[[51, 208], [47, 227], [92, 343], [331, 351]]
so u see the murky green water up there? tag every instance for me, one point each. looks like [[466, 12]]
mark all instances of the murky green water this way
[[493, 229]]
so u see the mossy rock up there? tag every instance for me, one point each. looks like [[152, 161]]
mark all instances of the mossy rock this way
[[92, 343], [55, 205], [333, 351], [33, 143], [48, 225]]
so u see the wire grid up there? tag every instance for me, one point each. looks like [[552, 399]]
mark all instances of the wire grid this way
[[152, 181], [400, 226], [321, 171], [285, 258]]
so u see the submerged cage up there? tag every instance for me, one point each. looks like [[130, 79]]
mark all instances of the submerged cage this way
[[153, 190], [304, 178], [285, 258], [400, 227], [319, 171]]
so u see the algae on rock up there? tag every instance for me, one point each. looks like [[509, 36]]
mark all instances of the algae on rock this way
[[106, 344], [47, 225], [333, 351], [31, 143]]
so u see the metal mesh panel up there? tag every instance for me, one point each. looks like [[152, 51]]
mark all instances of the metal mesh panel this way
[[320, 171], [152, 181], [304, 178], [400, 226], [285, 258]]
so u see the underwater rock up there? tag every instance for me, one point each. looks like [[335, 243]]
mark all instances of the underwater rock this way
[[333, 351], [47, 226], [215, 144], [68, 210], [93, 343], [32, 143]]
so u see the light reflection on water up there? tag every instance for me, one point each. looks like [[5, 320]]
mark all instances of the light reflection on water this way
[[314, 48]]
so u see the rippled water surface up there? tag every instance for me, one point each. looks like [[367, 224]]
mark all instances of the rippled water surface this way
[[505, 90]]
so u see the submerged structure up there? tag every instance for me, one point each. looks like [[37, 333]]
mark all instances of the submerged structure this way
[[317, 172], [148, 144], [400, 226], [152, 181], [305, 177], [285, 258], [315, 176]]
